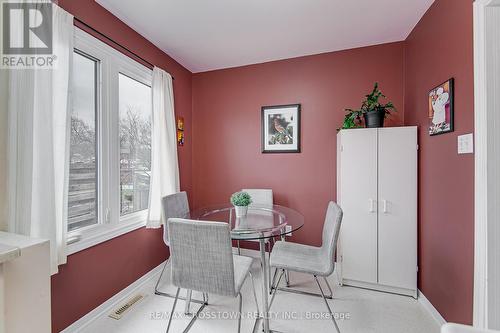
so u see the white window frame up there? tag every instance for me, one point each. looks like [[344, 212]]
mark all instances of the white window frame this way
[[109, 223]]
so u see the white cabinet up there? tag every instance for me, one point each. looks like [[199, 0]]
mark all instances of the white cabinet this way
[[24, 284], [377, 190]]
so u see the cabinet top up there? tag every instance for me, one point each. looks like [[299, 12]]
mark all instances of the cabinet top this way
[[414, 128]]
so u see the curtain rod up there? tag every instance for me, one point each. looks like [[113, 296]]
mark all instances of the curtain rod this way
[[116, 43]]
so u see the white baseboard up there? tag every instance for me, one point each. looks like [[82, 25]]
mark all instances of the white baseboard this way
[[112, 302], [380, 287], [431, 309]]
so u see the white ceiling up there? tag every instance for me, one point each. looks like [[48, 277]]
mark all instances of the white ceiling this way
[[205, 35]]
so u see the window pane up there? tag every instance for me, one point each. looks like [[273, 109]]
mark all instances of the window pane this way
[[135, 144], [82, 195]]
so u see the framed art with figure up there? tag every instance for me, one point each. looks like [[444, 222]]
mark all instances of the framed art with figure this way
[[281, 129], [441, 108]]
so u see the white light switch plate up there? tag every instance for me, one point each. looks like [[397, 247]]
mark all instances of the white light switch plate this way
[[288, 229], [465, 144]]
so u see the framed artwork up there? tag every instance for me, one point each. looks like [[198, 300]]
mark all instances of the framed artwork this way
[[441, 108], [180, 123], [180, 131], [180, 138], [281, 129]]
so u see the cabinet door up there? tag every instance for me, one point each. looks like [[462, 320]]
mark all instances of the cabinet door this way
[[397, 194], [358, 199]]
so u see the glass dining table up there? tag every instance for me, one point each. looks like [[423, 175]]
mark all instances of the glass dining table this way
[[260, 224]]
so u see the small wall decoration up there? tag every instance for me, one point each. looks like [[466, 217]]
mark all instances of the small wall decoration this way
[[180, 138], [180, 123], [281, 129], [180, 131], [441, 108]]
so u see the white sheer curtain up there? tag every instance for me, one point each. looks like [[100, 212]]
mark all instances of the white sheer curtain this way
[[38, 144], [164, 164], [4, 93]]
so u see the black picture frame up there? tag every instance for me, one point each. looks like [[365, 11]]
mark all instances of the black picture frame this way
[[451, 121], [293, 124]]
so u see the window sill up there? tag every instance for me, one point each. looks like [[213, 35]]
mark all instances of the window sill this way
[[102, 233]]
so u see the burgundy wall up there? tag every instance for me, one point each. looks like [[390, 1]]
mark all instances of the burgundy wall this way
[[227, 119], [441, 47], [92, 276], [225, 148]]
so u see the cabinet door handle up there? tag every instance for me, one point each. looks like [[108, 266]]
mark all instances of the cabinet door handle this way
[[372, 205], [384, 206]]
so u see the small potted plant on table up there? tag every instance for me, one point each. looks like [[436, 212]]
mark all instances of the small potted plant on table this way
[[240, 201], [372, 110]]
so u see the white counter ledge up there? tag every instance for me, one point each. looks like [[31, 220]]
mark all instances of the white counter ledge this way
[[8, 252]]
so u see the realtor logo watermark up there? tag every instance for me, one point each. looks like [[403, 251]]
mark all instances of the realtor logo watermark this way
[[27, 35]]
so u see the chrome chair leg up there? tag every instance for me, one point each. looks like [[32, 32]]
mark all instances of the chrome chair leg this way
[[275, 289], [287, 273], [269, 265], [205, 302], [339, 279], [205, 298], [259, 317], [189, 293], [239, 249], [161, 275], [173, 309], [301, 292], [273, 281], [161, 293], [196, 315], [327, 305], [329, 288], [254, 292], [239, 311], [268, 275]]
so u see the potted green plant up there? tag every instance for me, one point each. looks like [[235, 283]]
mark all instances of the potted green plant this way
[[240, 201], [372, 110]]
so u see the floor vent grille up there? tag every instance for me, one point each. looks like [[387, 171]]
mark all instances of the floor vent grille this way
[[120, 311]]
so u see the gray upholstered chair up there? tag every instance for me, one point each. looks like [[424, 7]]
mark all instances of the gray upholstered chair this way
[[261, 198], [317, 261], [174, 205], [202, 260]]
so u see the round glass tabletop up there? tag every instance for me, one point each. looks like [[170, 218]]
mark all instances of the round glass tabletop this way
[[260, 222]]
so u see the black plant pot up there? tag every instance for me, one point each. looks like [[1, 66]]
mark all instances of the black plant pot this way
[[374, 119]]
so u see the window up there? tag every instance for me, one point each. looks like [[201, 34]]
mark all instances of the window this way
[[82, 194], [135, 144], [110, 151]]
